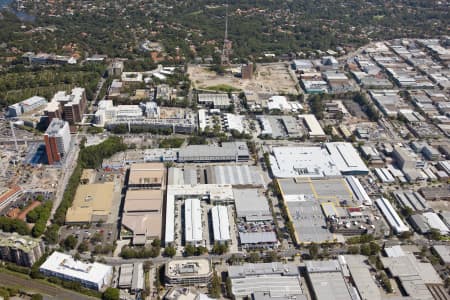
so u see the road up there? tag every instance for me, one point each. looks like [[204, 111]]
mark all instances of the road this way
[[67, 170], [42, 288]]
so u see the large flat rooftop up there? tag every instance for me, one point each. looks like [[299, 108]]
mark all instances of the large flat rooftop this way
[[143, 201], [188, 267], [91, 202], [306, 199], [329, 160], [146, 174]]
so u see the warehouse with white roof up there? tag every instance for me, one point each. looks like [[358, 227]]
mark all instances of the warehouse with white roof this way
[[221, 224], [391, 216], [91, 275], [193, 230], [435, 222], [330, 160], [358, 190]]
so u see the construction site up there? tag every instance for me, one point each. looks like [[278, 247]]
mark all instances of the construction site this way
[[272, 78]]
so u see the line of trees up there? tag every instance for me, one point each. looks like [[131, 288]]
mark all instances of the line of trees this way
[[89, 157]]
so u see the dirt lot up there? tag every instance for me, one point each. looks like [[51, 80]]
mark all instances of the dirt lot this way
[[268, 78]]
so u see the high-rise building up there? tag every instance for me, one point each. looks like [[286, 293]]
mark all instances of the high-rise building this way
[[57, 140], [69, 107], [247, 71]]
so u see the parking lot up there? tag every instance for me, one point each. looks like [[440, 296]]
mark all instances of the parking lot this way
[[94, 234]]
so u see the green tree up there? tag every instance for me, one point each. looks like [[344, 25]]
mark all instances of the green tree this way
[[111, 294], [170, 251], [83, 247], [70, 242], [374, 248], [353, 249], [215, 286], [189, 250], [37, 297], [51, 235], [434, 234], [313, 250], [253, 257], [364, 249], [271, 256]]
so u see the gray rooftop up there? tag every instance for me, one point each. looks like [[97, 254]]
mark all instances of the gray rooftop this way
[[250, 203], [234, 175], [258, 237], [411, 199], [327, 281], [443, 252], [266, 281], [365, 284], [228, 151], [419, 222]]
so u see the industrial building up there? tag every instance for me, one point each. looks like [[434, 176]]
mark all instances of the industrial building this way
[[415, 278], [388, 101], [282, 104], [355, 266], [305, 199], [391, 216], [326, 280], [384, 175], [132, 277], [266, 281], [258, 240], [188, 272], [332, 160], [240, 176], [407, 159], [146, 176], [221, 224], [252, 209], [435, 222], [142, 210], [91, 275], [193, 230], [218, 101], [411, 199], [236, 175], [214, 193], [419, 223], [142, 215], [229, 151], [20, 249], [278, 126], [358, 190], [315, 131], [251, 205], [25, 106], [57, 141], [443, 251], [92, 203]]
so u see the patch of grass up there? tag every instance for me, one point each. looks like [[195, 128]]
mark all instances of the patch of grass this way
[[222, 88]]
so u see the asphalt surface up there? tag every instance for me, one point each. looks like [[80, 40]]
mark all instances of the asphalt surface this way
[[35, 286]]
